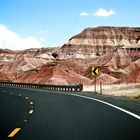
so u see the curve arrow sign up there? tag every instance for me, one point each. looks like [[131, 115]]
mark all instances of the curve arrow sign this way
[[95, 71]]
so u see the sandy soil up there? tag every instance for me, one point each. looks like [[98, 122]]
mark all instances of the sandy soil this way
[[127, 90]]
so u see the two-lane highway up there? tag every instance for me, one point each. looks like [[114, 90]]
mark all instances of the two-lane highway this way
[[63, 117]]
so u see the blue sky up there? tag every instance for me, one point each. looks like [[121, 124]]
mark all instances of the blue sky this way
[[52, 22]]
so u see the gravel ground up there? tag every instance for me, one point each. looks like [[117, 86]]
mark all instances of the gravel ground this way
[[128, 90]]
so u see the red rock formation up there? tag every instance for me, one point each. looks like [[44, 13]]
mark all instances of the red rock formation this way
[[115, 50], [7, 76], [15, 61], [53, 75], [94, 42], [105, 79], [134, 76]]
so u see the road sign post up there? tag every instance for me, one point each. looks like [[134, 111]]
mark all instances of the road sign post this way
[[95, 84], [100, 87], [95, 72]]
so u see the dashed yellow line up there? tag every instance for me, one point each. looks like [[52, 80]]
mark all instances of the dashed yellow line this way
[[13, 132], [16, 130], [31, 103], [25, 120], [31, 111], [26, 98]]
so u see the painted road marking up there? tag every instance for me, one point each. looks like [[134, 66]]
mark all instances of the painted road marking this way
[[11, 93], [3, 91], [26, 98], [25, 120], [116, 107], [31, 111], [31, 103], [13, 132], [19, 94]]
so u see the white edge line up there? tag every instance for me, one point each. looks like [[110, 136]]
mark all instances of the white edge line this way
[[116, 107]]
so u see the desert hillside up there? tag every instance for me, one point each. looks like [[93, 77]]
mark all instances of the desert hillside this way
[[115, 50]]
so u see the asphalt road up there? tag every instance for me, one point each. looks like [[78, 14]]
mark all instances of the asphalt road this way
[[45, 115]]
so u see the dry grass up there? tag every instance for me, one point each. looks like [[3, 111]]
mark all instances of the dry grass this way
[[127, 90]]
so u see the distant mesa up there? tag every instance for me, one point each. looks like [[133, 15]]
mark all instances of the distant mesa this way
[[101, 40]]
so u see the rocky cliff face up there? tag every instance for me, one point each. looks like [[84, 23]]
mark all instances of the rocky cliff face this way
[[115, 50], [98, 41], [53, 75]]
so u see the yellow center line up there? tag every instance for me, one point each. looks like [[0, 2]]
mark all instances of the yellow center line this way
[[26, 98], [25, 120], [31, 103], [31, 111], [13, 132]]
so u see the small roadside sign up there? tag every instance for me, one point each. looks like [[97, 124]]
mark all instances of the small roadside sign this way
[[95, 71]]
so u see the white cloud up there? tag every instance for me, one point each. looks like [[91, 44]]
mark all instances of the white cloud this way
[[100, 12], [104, 13], [11, 40], [84, 14]]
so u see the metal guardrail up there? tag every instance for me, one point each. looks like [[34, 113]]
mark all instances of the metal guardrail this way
[[45, 86]]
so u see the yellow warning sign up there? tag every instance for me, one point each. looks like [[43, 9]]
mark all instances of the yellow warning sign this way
[[95, 71]]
